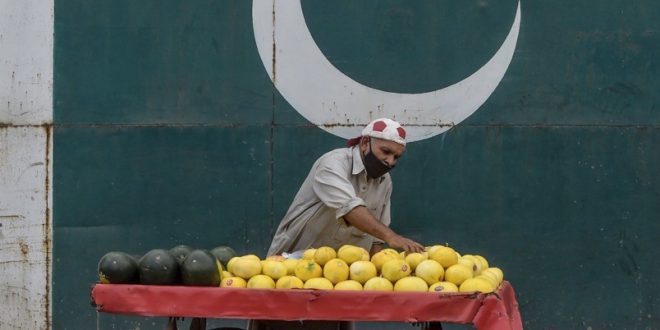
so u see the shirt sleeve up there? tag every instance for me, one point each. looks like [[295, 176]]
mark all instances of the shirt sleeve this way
[[385, 215], [333, 186]]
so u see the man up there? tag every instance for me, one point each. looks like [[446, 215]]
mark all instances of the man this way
[[345, 198]]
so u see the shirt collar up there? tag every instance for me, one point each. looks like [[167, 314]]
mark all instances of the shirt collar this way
[[358, 165]]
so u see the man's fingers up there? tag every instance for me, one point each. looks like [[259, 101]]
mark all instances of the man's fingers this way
[[406, 244], [414, 247]]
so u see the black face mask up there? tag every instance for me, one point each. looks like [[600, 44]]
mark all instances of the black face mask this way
[[374, 166]]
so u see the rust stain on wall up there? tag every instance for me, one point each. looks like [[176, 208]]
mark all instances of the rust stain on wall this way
[[274, 47], [46, 226], [28, 247], [25, 249]]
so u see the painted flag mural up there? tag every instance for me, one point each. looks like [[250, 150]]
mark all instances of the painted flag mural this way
[[533, 127]]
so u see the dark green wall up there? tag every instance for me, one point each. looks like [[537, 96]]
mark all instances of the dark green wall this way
[[168, 131]]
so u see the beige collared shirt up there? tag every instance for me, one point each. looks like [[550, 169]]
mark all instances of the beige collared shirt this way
[[336, 184]]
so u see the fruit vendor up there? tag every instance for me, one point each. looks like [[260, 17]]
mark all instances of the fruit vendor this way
[[345, 198]]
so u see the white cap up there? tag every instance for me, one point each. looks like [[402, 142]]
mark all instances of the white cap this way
[[386, 129]]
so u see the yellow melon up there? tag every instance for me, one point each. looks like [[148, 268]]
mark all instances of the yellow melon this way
[[350, 253], [318, 283], [381, 257], [246, 268], [307, 269], [273, 269], [362, 271], [411, 283], [476, 284], [348, 285], [430, 271], [396, 269], [336, 270], [324, 254], [458, 273], [378, 284], [413, 259], [443, 286], [444, 255], [233, 282], [260, 282], [289, 282]]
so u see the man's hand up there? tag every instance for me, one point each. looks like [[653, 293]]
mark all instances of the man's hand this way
[[399, 242], [363, 220]]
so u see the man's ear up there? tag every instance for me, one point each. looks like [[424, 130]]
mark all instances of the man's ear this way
[[364, 142]]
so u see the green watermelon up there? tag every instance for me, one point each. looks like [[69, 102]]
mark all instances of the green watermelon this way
[[158, 267], [117, 268], [224, 254], [201, 268], [180, 252]]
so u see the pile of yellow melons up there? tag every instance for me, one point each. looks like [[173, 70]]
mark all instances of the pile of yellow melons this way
[[438, 269]]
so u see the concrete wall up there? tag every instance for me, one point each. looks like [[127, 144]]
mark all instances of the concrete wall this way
[[26, 85]]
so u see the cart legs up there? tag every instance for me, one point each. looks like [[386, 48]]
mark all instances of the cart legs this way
[[431, 326]]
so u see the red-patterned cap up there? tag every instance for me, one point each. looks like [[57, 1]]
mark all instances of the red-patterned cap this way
[[382, 128]]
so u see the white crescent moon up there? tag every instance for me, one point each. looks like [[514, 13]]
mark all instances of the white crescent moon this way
[[338, 104]]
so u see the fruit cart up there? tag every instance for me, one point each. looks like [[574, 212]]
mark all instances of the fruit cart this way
[[497, 310]]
